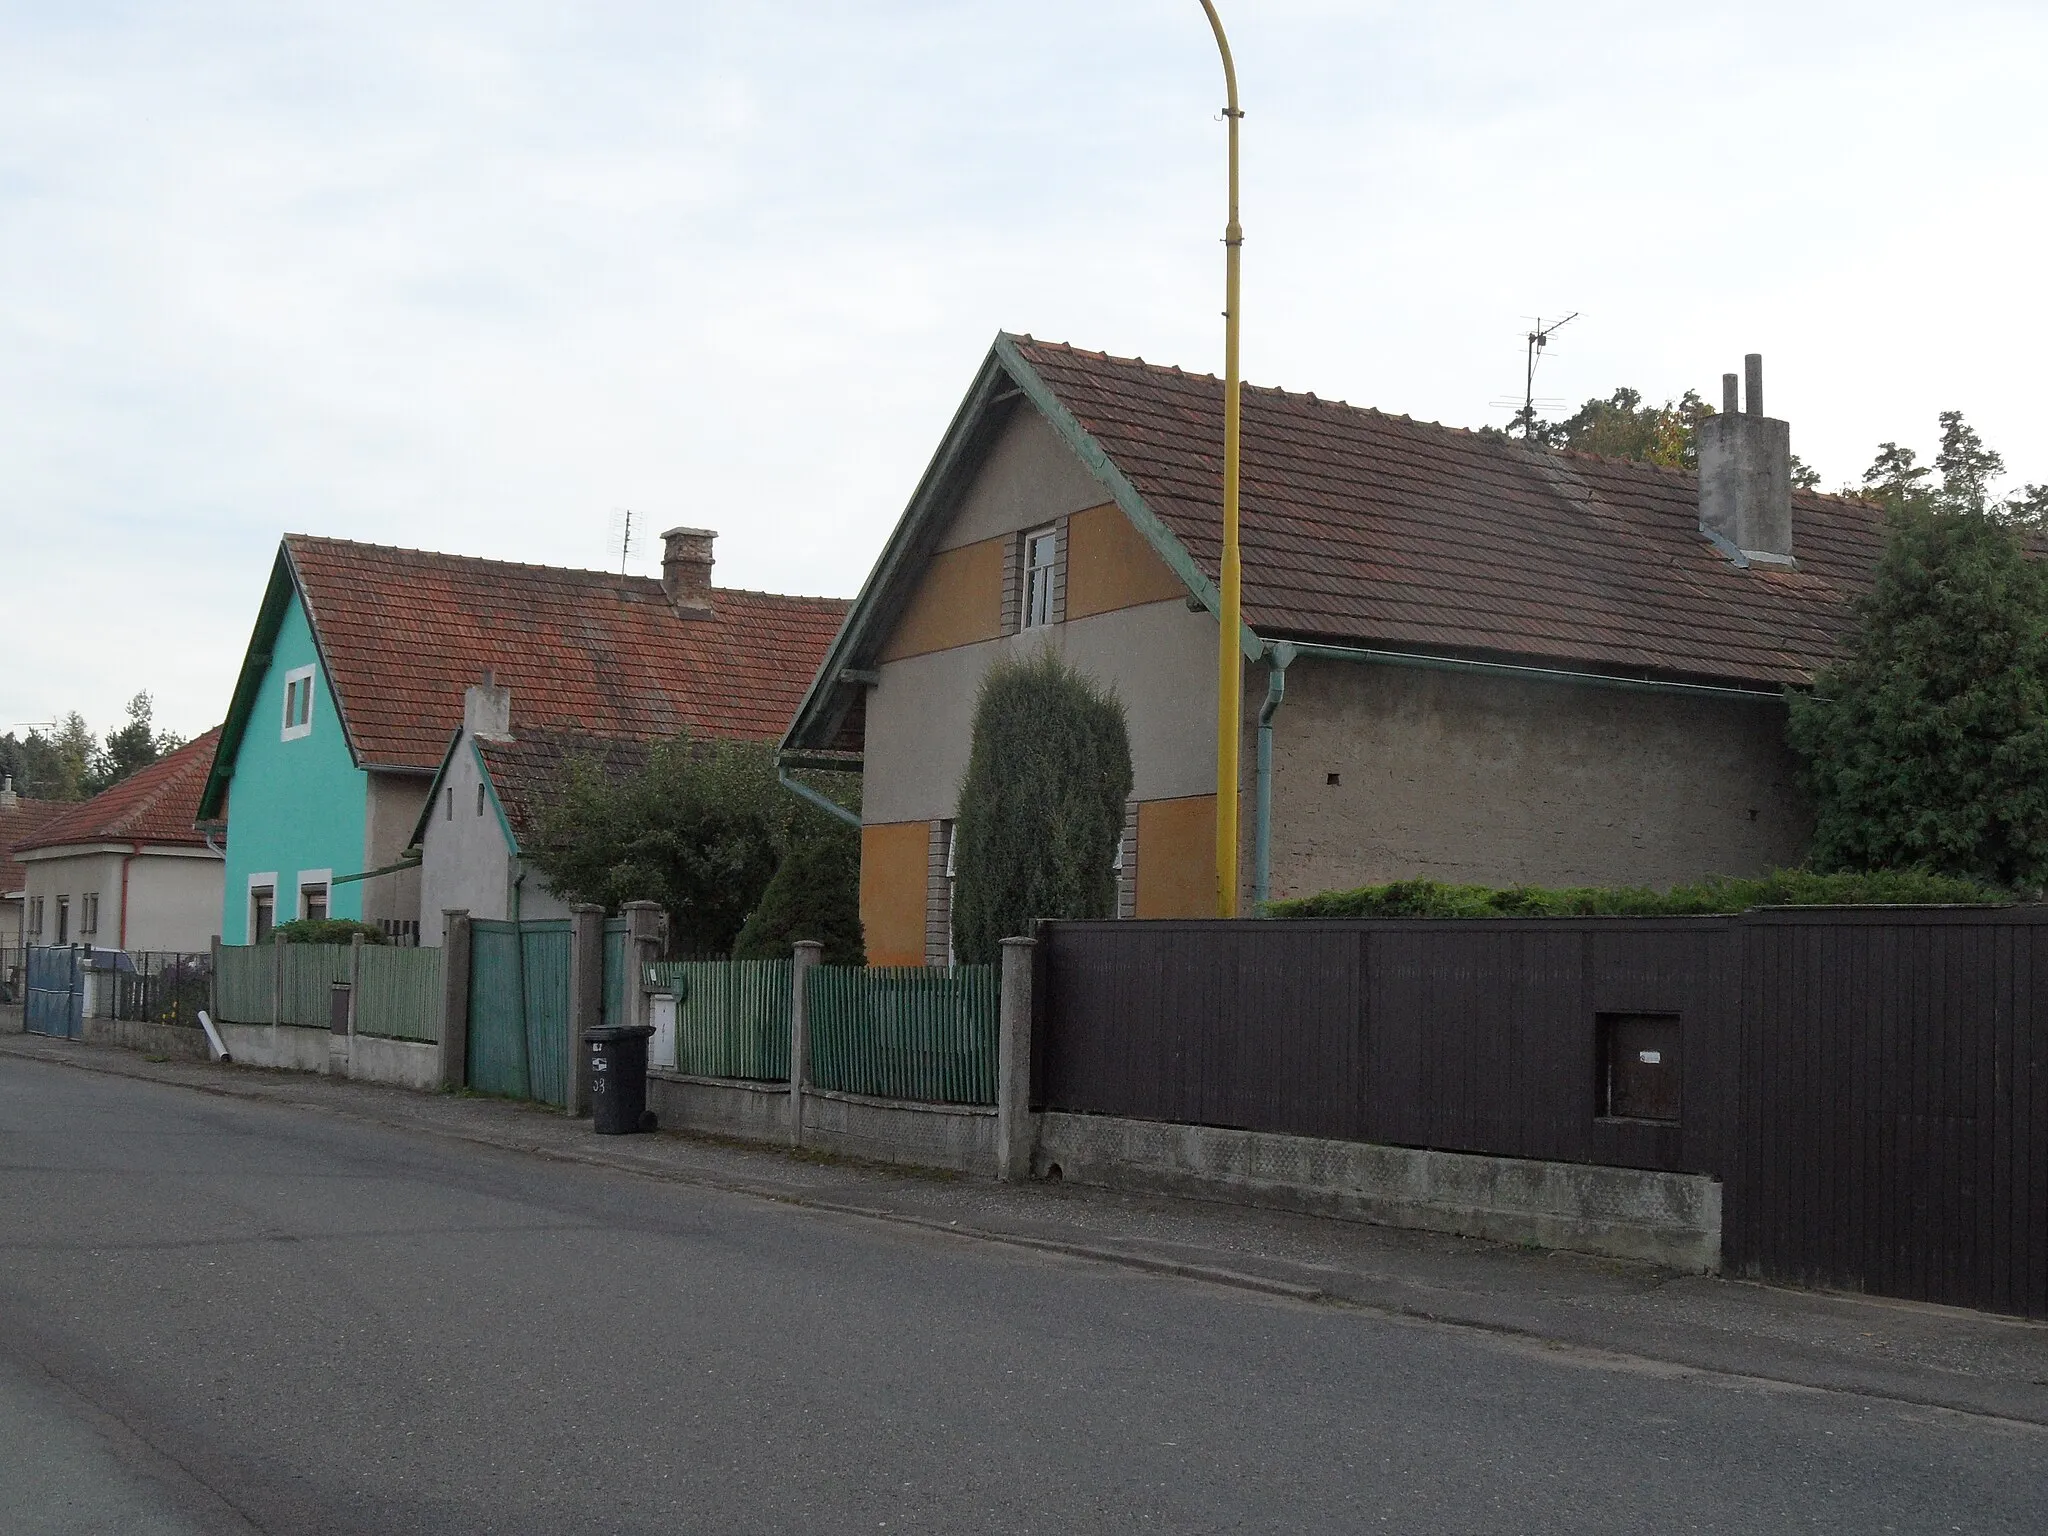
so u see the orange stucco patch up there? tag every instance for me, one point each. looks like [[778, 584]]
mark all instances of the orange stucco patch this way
[[892, 891], [1110, 565], [959, 601], [1177, 857]]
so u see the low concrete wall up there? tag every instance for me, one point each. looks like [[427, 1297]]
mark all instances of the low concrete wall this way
[[1665, 1218], [180, 1044], [13, 1019], [960, 1137], [367, 1058]]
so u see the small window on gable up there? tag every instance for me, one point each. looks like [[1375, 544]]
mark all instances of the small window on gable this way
[[1041, 556], [448, 805], [479, 797], [298, 703]]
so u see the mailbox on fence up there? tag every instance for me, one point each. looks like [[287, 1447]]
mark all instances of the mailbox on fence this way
[[337, 1007]]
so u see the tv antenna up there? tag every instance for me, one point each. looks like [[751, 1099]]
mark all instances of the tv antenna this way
[[621, 536], [1539, 338]]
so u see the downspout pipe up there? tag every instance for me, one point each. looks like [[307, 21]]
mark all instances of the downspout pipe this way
[[824, 803], [1278, 657]]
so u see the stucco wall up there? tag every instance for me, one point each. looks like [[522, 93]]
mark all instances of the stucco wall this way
[[174, 898], [466, 863], [1160, 659], [392, 810], [293, 806], [1030, 477], [1462, 778], [52, 875]]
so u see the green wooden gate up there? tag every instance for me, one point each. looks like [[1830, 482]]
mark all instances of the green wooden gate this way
[[519, 1009]]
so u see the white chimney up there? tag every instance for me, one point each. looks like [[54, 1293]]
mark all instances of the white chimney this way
[[1745, 461], [487, 710]]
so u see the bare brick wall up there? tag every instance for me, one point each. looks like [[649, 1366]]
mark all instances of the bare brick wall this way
[[1494, 781]]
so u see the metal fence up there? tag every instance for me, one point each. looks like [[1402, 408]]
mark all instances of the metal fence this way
[[732, 1016], [1871, 1085], [912, 1033], [163, 988]]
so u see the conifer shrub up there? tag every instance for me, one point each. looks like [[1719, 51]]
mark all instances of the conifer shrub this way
[[1780, 888], [1042, 805], [814, 894], [327, 930]]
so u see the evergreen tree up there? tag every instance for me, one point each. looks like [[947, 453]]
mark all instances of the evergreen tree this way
[[1927, 746], [815, 894], [1042, 805]]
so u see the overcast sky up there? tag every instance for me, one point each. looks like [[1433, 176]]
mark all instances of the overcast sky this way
[[475, 277]]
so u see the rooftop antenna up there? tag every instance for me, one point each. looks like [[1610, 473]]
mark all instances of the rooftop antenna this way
[[621, 537], [1539, 338]]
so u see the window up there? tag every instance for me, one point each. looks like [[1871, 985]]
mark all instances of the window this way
[[448, 806], [1639, 1066], [63, 919], [89, 912], [262, 911], [298, 703], [35, 916], [479, 797], [1041, 554], [313, 893]]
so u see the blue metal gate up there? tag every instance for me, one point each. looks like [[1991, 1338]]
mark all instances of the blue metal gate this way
[[56, 992]]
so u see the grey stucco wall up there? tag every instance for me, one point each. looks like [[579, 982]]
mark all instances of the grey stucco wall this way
[[174, 897], [1029, 478], [392, 810], [1160, 659], [1498, 782], [466, 863]]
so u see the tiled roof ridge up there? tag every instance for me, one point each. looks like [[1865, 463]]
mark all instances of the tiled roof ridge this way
[[653, 582], [1310, 397]]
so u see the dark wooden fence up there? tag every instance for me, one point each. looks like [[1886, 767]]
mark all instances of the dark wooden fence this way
[[1870, 1085]]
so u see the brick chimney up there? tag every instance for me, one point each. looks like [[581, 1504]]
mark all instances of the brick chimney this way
[[686, 569], [487, 710], [1745, 460]]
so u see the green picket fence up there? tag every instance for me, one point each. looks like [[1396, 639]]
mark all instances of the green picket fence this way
[[732, 1016], [912, 1033], [519, 1009], [398, 993], [241, 984], [310, 972]]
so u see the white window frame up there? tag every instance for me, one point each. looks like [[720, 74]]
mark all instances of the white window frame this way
[[321, 880], [1038, 580], [298, 699], [89, 913], [35, 916], [63, 919]]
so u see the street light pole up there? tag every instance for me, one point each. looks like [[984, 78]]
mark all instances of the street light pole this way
[[1230, 666]]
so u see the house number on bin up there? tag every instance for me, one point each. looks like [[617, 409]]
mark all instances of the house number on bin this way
[[1650, 1058]]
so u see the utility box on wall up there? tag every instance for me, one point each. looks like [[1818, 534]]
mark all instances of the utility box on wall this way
[[1640, 1075]]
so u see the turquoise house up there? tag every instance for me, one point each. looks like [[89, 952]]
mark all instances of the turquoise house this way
[[353, 690]]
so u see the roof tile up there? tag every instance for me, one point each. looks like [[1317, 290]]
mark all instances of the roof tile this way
[[157, 804]]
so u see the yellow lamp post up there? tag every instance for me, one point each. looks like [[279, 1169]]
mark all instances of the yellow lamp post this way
[[1230, 666]]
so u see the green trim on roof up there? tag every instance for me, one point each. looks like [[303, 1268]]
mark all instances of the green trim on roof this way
[[491, 787], [419, 826], [284, 586]]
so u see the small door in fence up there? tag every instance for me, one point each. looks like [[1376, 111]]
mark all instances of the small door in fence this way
[[519, 1009]]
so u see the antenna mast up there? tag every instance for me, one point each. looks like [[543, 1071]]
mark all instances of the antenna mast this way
[[1538, 340], [626, 542]]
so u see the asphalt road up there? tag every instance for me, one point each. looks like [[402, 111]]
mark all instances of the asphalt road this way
[[219, 1315]]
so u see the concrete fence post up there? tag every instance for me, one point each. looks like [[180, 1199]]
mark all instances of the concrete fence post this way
[[808, 953], [646, 924], [586, 1000], [1013, 1061], [355, 979], [276, 985], [454, 1070]]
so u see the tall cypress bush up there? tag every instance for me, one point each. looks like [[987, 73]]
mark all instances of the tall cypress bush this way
[[1042, 806], [815, 895], [1927, 747]]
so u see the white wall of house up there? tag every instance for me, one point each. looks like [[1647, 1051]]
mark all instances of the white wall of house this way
[[467, 863], [174, 895]]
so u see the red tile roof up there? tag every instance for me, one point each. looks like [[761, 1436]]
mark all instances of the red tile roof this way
[[19, 822], [156, 804], [405, 633], [1370, 529]]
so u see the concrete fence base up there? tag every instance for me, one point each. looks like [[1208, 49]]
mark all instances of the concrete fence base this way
[[178, 1043], [366, 1058], [958, 1137], [1672, 1219]]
